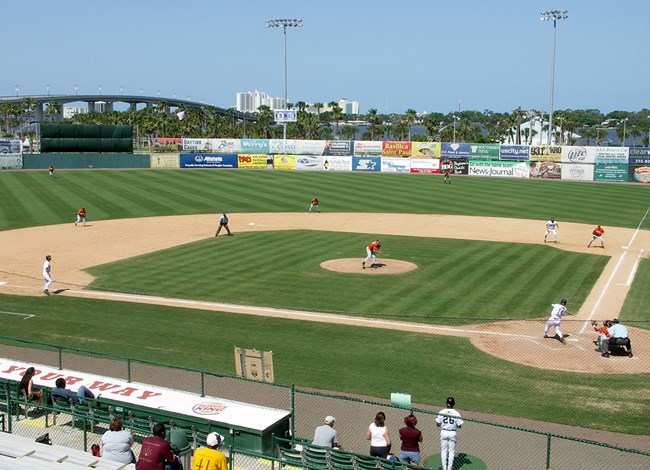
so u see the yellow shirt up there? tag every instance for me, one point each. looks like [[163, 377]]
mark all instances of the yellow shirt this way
[[209, 459]]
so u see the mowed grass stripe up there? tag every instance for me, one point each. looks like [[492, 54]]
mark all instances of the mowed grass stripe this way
[[282, 269]]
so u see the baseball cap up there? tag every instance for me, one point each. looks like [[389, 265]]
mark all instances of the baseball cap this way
[[329, 419], [214, 439]]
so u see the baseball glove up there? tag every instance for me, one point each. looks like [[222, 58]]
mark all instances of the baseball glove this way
[[594, 323]]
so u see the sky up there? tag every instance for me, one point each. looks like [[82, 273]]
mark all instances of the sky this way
[[427, 55]]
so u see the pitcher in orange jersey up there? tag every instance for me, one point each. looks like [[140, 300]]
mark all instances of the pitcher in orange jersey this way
[[81, 216], [372, 249], [597, 234]]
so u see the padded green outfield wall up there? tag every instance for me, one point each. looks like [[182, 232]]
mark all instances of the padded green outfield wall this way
[[60, 138], [37, 161]]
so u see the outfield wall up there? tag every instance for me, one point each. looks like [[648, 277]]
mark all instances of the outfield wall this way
[[577, 163], [85, 160]]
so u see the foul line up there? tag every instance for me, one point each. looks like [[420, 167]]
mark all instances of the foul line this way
[[637, 229], [298, 314], [26, 315], [634, 268]]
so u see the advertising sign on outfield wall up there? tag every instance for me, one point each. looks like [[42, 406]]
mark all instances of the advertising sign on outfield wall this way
[[10, 147], [639, 156], [255, 146], [425, 165], [338, 147], [578, 154], [617, 173], [162, 160], [284, 162], [12, 161], [193, 160], [336, 163], [395, 149], [226, 145], [501, 169], [196, 145], [484, 151], [395, 165], [546, 153], [454, 150], [639, 174], [455, 167], [309, 162], [297, 147], [367, 147], [546, 170], [612, 155], [252, 161], [366, 163], [514, 153], [425, 149], [577, 172]]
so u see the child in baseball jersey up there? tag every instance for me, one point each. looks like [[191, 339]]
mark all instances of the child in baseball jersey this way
[[551, 225], [449, 421], [556, 317]]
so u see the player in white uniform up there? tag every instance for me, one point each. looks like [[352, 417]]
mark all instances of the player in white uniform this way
[[556, 317], [551, 225], [47, 270], [448, 421]]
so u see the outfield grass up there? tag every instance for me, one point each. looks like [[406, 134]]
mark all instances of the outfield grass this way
[[637, 303], [32, 198], [338, 358], [455, 278]]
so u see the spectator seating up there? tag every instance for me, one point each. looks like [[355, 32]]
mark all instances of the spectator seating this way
[[17, 452]]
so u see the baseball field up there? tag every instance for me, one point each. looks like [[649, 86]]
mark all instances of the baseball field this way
[[146, 278]]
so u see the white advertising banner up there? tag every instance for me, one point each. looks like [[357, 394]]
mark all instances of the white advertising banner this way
[[612, 155], [577, 172], [335, 163], [499, 168], [367, 147], [11, 161], [425, 165], [297, 147], [309, 162], [578, 154], [226, 145], [196, 145], [396, 165]]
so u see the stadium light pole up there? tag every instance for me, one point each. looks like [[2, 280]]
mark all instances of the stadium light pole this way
[[554, 15], [284, 23], [624, 129]]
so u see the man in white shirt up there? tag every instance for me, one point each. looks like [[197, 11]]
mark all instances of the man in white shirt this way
[[551, 225], [448, 421], [47, 274], [556, 317]]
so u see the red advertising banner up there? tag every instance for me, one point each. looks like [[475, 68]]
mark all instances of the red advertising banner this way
[[395, 149]]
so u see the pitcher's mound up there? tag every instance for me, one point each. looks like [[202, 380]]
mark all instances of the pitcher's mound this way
[[353, 265]]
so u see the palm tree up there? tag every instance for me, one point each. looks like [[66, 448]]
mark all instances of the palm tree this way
[[318, 107], [401, 130], [373, 120], [349, 131], [301, 105], [410, 116], [337, 112], [265, 118]]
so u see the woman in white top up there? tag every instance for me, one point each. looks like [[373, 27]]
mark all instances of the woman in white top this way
[[117, 443], [378, 436]]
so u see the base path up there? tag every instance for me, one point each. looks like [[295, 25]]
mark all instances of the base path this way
[[74, 249]]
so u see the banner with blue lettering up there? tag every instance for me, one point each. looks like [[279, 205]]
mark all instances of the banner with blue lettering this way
[[514, 153], [639, 156], [222, 160], [254, 146]]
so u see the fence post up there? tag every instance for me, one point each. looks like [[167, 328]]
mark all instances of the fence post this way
[[202, 384], [293, 411], [548, 450], [60, 359], [128, 370]]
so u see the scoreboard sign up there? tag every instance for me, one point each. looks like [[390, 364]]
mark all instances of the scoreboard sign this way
[[285, 115]]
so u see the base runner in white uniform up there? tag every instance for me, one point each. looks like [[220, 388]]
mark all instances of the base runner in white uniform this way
[[47, 269], [551, 225], [556, 317], [448, 421]]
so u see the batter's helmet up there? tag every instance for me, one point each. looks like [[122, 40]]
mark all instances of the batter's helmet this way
[[450, 402], [563, 301]]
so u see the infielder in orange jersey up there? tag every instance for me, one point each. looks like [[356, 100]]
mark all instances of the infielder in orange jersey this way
[[598, 235], [81, 216], [314, 205], [372, 249]]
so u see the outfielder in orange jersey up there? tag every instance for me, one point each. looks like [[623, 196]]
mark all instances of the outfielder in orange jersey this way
[[372, 249], [598, 234], [81, 216], [314, 205]]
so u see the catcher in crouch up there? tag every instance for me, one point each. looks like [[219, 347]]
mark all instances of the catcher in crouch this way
[[372, 249]]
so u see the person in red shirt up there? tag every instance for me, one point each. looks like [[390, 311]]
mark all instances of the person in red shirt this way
[[411, 438], [314, 204], [81, 216], [156, 453], [598, 235], [372, 249], [447, 178], [51, 170]]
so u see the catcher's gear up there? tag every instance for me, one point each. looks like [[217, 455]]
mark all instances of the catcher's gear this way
[[594, 323]]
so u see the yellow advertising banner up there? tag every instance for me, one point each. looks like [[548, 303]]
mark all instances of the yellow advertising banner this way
[[247, 160], [425, 149], [284, 162], [545, 153], [165, 160]]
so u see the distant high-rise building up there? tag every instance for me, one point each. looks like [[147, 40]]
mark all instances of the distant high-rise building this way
[[249, 102]]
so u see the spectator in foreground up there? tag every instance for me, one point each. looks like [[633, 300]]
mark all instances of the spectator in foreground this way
[[210, 458], [117, 443], [325, 435], [156, 453], [60, 392], [378, 436], [411, 438], [27, 384]]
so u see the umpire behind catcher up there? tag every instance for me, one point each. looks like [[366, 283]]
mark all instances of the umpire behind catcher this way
[[223, 223], [618, 337]]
